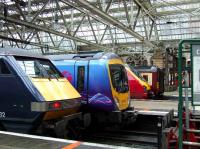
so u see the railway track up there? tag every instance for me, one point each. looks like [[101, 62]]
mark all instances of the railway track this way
[[124, 136], [146, 131]]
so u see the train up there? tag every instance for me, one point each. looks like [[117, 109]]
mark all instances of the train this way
[[102, 81], [35, 96], [154, 76], [139, 87]]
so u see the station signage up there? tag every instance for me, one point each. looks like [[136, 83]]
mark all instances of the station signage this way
[[196, 73]]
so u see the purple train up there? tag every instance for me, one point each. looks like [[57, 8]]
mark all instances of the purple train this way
[[100, 78]]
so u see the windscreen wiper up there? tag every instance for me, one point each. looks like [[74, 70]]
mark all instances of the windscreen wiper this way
[[49, 73], [43, 70]]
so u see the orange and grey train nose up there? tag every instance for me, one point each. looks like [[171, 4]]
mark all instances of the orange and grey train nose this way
[[60, 98]]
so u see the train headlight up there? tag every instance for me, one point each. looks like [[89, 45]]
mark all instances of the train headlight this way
[[55, 105]]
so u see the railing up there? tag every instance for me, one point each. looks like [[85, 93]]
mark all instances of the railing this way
[[181, 86]]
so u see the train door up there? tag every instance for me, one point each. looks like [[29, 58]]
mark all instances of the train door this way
[[81, 79]]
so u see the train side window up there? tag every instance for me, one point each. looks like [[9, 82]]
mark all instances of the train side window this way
[[80, 79], [3, 68]]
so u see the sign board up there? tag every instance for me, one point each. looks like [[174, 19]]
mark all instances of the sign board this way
[[196, 74]]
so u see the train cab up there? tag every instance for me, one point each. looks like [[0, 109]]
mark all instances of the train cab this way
[[139, 87], [154, 76], [34, 94], [100, 78]]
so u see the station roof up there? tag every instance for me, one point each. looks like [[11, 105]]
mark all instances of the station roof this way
[[66, 25]]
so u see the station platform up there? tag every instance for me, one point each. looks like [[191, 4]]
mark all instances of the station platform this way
[[10, 140]]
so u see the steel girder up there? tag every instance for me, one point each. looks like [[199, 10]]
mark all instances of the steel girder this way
[[148, 11], [48, 30], [31, 43], [109, 19]]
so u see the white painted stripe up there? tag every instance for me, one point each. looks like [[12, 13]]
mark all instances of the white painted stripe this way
[[153, 112], [36, 137], [107, 146], [63, 140]]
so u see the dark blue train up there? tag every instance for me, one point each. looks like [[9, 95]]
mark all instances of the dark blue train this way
[[33, 93]]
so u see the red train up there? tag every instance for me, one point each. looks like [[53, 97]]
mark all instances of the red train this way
[[138, 86], [154, 76]]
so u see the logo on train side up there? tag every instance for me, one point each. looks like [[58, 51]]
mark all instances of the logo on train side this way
[[67, 75]]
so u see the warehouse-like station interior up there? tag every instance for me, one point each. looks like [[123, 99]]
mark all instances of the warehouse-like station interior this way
[[99, 74]]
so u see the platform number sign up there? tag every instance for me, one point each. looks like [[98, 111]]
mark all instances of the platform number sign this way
[[196, 73]]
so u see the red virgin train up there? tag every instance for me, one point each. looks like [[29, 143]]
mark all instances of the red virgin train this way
[[138, 86], [154, 76]]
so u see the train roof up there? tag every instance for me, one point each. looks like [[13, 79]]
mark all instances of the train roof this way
[[20, 52], [88, 56], [145, 68]]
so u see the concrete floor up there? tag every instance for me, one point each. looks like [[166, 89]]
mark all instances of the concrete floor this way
[[154, 105], [169, 101], [9, 140]]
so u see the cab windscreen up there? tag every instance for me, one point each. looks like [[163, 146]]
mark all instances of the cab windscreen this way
[[38, 68], [119, 78]]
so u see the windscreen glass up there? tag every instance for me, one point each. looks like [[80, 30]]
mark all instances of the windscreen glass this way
[[119, 77], [137, 73], [3, 68], [38, 68]]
